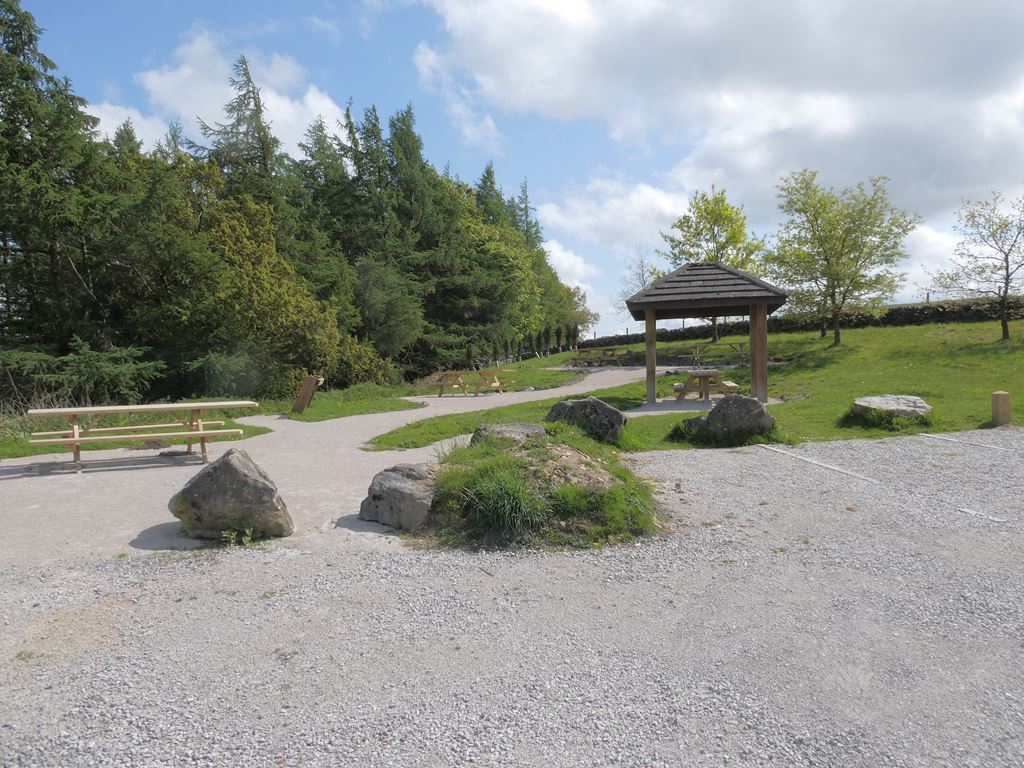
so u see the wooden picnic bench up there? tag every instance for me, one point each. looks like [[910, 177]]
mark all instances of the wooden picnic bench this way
[[703, 382], [190, 424], [610, 355], [486, 380], [584, 357]]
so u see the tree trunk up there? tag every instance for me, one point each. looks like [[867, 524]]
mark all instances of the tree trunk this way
[[1004, 317], [714, 329], [836, 341], [823, 325]]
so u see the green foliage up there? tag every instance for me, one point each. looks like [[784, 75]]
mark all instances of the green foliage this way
[[237, 535], [683, 432], [714, 230], [229, 258], [838, 249], [358, 362], [84, 376], [890, 422], [989, 260], [495, 492], [500, 507]]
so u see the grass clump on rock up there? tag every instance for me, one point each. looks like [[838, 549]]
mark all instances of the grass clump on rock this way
[[560, 489]]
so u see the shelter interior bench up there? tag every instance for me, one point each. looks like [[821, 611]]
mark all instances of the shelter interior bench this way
[[702, 382], [189, 424]]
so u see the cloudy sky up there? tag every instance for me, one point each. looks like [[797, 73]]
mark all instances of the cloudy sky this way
[[615, 112]]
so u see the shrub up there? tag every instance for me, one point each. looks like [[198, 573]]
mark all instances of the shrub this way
[[84, 376], [358, 362], [501, 507], [684, 432], [876, 419]]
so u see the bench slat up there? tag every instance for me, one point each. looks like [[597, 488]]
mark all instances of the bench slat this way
[[115, 438], [136, 428]]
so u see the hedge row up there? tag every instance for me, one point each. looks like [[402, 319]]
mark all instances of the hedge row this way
[[964, 310]]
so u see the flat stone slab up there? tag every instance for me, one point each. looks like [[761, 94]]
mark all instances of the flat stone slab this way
[[909, 406], [519, 432]]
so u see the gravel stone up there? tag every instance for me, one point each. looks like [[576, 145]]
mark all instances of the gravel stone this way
[[789, 615]]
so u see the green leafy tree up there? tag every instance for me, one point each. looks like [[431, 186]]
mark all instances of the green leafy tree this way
[[989, 260], [838, 249], [51, 191], [714, 230]]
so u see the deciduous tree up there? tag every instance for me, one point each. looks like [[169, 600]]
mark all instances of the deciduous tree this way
[[838, 249], [989, 260]]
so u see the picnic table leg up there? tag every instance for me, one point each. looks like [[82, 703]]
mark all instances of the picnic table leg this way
[[193, 416], [76, 448], [202, 440]]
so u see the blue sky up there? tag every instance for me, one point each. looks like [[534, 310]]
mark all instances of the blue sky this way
[[614, 111]]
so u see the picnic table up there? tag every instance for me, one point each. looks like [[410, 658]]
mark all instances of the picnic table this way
[[592, 356], [189, 424], [485, 380], [702, 382]]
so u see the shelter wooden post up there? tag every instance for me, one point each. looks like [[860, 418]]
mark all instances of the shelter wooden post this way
[[759, 351], [650, 348]]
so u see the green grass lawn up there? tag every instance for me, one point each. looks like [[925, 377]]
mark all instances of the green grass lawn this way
[[955, 367]]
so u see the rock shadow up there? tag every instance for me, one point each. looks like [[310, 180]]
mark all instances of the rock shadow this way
[[166, 536], [354, 524]]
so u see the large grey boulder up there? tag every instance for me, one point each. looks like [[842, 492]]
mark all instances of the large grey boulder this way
[[908, 406], [518, 432], [401, 496], [595, 417], [231, 491], [734, 415]]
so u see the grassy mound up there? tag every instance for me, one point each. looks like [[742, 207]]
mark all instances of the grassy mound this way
[[560, 490]]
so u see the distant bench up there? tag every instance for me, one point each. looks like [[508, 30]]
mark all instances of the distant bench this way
[[484, 380], [189, 424]]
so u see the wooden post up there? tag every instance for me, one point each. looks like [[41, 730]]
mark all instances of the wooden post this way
[[651, 351], [1000, 408], [309, 387], [759, 351], [77, 450]]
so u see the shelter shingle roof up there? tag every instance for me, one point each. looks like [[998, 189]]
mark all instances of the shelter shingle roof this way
[[704, 290]]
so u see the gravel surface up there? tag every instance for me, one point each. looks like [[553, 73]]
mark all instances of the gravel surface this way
[[791, 615]]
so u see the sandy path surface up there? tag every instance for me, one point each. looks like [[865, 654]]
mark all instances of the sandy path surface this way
[[119, 502]]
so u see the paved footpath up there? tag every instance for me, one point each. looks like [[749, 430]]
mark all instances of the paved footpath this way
[[119, 502]]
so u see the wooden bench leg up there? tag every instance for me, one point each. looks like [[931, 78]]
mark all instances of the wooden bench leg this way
[[76, 448], [202, 440]]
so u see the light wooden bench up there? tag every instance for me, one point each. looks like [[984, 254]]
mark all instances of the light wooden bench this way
[[610, 355], [190, 425], [702, 382], [490, 380], [583, 359], [451, 380]]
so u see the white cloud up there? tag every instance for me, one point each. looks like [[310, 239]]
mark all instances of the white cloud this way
[[475, 129], [744, 92], [615, 213], [148, 129], [571, 267], [195, 84], [929, 250], [326, 27]]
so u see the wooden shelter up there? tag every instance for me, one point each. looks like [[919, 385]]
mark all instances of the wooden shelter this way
[[709, 290]]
